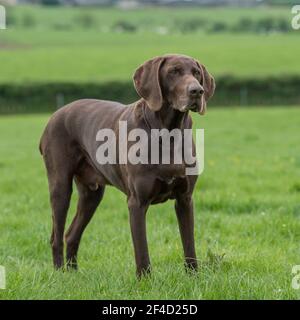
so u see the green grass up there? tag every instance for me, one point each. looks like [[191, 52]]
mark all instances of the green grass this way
[[147, 18], [43, 53], [247, 209], [111, 58]]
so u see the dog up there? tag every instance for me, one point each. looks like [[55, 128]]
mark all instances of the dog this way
[[169, 87]]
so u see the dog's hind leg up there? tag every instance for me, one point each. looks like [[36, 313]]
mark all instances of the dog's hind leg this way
[[60, 186], [87, 205], [60, 170]]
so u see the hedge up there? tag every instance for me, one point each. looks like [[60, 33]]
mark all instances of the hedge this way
[[47, 97]]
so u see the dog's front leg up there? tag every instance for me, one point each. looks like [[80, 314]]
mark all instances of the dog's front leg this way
[[137, 213], [185, 216]]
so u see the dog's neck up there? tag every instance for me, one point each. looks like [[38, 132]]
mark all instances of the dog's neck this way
[[165, 118]]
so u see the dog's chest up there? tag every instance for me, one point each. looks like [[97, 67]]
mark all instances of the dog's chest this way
[[170, 182]]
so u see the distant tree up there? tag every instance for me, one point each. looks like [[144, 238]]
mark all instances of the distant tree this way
[[50, 2], [86, 20], [28, 20], [124, 26], [11, 19], [244, 25], [267, 24], [190, 25], [218, 26], [283, 25]]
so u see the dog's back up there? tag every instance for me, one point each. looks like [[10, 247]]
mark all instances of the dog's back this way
[[73, 120]]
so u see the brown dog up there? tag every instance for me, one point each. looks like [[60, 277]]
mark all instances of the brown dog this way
[[169, 86]]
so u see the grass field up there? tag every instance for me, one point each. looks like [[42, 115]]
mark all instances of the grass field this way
[[46, 52], [48, 17], [111, 58], [247, 219]]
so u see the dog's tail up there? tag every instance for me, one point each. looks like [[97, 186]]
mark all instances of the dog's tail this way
[[40, 147]]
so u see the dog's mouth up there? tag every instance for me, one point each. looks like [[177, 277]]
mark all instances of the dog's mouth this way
[[189, 107], [194, 105], [198, 106]]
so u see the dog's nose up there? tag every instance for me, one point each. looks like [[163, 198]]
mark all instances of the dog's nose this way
[[195, 90]]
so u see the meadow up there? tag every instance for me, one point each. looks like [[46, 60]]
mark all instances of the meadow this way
[[97, 45], [246, 206]]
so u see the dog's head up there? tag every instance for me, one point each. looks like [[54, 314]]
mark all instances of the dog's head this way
[[177, 80]]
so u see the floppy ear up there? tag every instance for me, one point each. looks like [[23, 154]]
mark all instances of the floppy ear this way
[[208, 83], [146, 83], [209, 86]]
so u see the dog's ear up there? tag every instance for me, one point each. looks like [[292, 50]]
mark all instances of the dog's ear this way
[[209, 86], [146, 82]]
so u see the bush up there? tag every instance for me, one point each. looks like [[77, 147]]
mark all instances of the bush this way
[[244, 25], [191, 25], [43, 97], [218, 27], [283, 25], [266, 25], [86, 21], [11, 19], [124, 26], [50, 2], [28, 21]]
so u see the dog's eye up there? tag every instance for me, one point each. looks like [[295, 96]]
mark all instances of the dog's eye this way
[[175, 71], [196, 72]]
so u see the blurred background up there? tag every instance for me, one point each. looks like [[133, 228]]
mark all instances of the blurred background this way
[[247, 209], [55, 51]]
